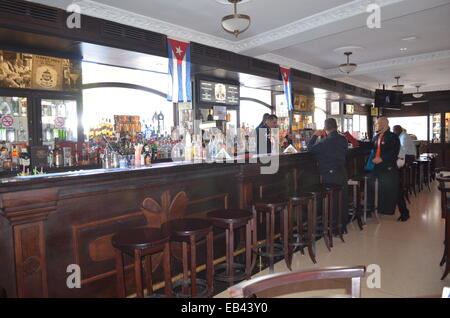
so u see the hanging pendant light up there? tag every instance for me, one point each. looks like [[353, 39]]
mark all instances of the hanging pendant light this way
[[418, 94], [236, 23], [348, 67], [398, 87]]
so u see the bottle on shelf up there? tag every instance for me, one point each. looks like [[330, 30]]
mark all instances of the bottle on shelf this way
[[25, 160], [58, 156], [15, 158]]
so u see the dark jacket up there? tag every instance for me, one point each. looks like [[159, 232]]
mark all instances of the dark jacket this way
[[390, 147], [330, 152], [266, 136]]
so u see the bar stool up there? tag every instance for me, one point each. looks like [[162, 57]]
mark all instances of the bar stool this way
[[322, 193], [413, 183], [404, 181], [296, 205], [189, 232], [355, 211], [335, 227], [269, 208], [231, 220], [142, 243]]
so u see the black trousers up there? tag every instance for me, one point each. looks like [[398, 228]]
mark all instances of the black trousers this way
[[338, 177], [388, 189]]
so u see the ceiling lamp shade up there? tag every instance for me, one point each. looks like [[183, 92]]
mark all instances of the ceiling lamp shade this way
[[418, 95], [348, 67], [236, 23], [398, 87]]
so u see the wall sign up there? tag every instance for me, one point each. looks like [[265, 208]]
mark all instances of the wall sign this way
[[7, 121], [218, 93], [22, 70]]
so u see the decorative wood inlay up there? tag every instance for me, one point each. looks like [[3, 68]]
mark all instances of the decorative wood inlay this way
[[157, 214], [31, 268]]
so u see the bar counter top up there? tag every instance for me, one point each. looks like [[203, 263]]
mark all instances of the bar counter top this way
[[81, 174]]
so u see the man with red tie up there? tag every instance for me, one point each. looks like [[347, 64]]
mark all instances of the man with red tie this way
[[387, 146]]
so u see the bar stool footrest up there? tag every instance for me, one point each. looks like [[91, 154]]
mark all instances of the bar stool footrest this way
[[239, 273], [278, 250], [202, 286]]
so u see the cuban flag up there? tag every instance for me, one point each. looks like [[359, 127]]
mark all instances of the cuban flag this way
[[286, 76], [179, 71]]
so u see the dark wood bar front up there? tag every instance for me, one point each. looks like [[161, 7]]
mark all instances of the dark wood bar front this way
[[49, 223]]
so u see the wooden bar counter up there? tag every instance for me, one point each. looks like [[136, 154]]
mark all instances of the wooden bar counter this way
[[48, 223]]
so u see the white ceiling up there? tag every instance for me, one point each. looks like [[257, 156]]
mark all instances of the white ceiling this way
[[304, 34]]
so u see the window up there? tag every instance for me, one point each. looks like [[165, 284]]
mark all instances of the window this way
[[320, 113], [414, 125], [253, 112], [102, 104], [105, 103]]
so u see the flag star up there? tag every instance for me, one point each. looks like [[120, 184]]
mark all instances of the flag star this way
[[179, 50]]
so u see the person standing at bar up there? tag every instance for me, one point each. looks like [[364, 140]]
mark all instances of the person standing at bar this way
[[263, 133], [387, 147], [406, 155], [331, 154]]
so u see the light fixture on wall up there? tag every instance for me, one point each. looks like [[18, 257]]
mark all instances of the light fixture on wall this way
[[348, 67], [398, 87], [418, 94], [236, 23]]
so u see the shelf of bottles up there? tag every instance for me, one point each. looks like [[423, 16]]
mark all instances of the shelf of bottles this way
[[59, 121], [447, 127], [302, 130], [13, 133], [435, 128]]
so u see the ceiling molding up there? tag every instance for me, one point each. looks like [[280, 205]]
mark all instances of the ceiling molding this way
[[332, 15], [106, 12], [287, 62], [391, 63], [426, 89]]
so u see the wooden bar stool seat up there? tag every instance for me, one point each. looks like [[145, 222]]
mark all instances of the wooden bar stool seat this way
[[189, 232], [142, 243], [230, 221], [297, 204], [322, 193], [269, 207]]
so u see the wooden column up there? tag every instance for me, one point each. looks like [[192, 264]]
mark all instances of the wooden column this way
[[27, 212]]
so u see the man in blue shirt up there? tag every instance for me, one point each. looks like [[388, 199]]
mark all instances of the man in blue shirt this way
[[331, 154]]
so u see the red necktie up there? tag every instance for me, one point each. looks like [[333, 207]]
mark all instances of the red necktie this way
[[378, 154]]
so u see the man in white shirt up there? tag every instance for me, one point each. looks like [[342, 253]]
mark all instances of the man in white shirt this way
[[406, 155], [407, 152]]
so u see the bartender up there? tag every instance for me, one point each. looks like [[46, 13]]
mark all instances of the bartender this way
[[387, 147], [263, 133]]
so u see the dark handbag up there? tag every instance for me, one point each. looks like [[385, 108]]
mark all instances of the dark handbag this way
[[370, 166]]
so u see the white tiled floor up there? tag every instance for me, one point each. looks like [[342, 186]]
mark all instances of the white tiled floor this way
[[408, 253]]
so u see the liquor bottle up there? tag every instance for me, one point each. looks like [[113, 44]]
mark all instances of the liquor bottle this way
[[210, 115], [25, 159], [15, 158], [188, 147], [147, 155], [58, 156]]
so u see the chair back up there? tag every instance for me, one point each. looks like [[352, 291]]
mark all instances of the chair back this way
[[444, 190], [249, 288]]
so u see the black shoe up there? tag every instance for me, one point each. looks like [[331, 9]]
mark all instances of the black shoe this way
[[403, 218]]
